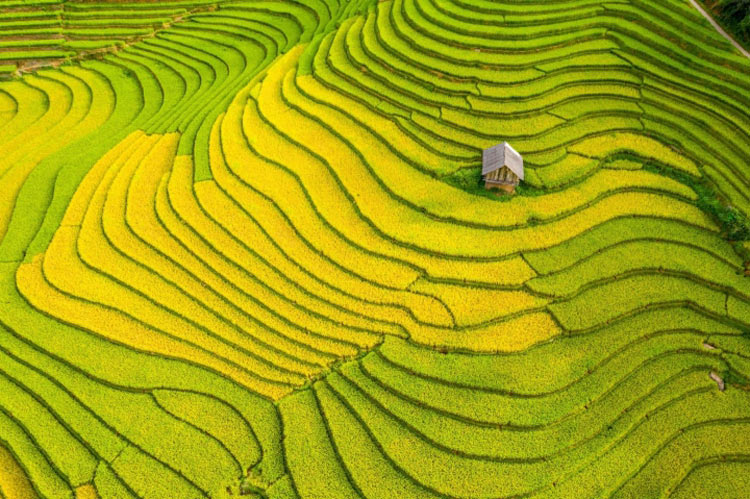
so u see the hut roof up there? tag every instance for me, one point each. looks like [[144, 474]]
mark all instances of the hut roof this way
[[502, 155]]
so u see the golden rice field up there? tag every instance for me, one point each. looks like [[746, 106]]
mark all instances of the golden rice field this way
[[244, 250]]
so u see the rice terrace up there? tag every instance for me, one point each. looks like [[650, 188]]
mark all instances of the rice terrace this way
[[374, 249]]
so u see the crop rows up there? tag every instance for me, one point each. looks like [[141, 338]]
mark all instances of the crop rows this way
[[43, 33], [247, 250]]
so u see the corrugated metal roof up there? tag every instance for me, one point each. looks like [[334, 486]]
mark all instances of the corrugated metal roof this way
[[502, 155]]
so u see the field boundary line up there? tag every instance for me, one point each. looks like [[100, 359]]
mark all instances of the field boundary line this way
[[720, 29]]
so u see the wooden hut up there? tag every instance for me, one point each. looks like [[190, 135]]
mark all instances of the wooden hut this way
[[502, 167]]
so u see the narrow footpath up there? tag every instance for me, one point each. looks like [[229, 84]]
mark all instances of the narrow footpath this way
[[720, 29]]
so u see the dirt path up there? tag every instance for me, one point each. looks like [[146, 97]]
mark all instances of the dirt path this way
[[720, 29]]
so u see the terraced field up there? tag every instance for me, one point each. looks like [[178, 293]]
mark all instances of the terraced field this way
[[244, 250]]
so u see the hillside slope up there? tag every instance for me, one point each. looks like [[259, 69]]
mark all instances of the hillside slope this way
[[243, 248]]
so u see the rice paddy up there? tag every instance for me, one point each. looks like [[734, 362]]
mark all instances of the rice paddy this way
[[244, 250]]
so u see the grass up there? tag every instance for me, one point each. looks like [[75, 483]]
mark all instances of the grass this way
[[245, 248], [15, 483], [734, 224]]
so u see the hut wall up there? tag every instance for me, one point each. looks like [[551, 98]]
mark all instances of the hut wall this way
[[502, 175]]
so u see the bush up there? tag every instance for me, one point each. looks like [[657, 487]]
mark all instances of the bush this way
[[735, 225], [736, 15]]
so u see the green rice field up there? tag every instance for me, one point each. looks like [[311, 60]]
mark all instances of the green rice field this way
[[245, 250]]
